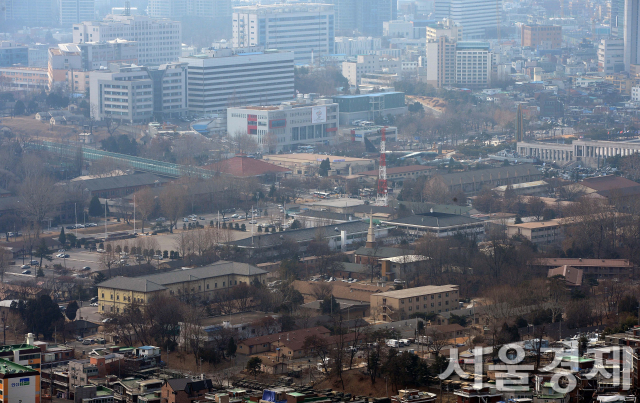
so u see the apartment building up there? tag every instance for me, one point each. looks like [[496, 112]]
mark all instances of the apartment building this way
[[396, 305], [158, 40], [76, 11], [204, 282], [226, 78], [541, 36], [169, 90], [305, 29], [13, 54], [611, 55], [69, 63], [397, 29], [287, 126]]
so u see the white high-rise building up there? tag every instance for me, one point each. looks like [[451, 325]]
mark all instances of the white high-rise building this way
[[217, 9], [305, 29], [474, 15], [76, 11], [226, 78], [631, 33], [158, 40]]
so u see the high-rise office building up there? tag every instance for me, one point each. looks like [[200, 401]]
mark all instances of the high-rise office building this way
[[216, 9], [12, 54], [363, 17], [167, 8], [76, 11], [474, 15], [616, 18], [541, 36], [158, 40], [225, 78], [32, 13], [303, 28], [631, 33]]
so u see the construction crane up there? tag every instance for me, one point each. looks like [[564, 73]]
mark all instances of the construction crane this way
[[383, 194]]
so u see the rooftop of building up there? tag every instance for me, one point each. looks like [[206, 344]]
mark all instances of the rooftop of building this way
[[245, 167], [538, 224], [235, 318], [580, 262], [302, 235], [121, 181], [372, 94], [156, 282], [399, 170], [311, 158], [479, 175], [17, 347], [435, 220], [382, 251], [406, 259], [418, 291], [608, 183], [339, 202], [524, 185], [10, 367]]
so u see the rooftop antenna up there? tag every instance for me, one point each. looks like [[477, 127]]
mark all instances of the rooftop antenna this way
[[127, 8]]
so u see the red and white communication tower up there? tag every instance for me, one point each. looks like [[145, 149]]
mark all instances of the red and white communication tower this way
[[383, 199]]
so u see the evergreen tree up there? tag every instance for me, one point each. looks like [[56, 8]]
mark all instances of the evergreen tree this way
[[71, 311], [62, 238], [231, 347], [19, 109], [95, 208], [325, 166], [43, 252]]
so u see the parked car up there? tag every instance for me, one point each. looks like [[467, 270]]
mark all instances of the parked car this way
[[253, 222], [86, 268], [157, 257], [87, 342], [25, 266], [34, 263], [235, 216], [93, 304], [26, 272]]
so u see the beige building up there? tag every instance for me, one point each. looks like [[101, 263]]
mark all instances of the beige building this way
[[397, 305], [200, 283], [539, 232]]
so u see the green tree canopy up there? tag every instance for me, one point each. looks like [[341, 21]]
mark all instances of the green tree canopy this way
[[95, 208], [254, 365], [72, 309], [43, 252], [62, 238], [325, 166], [41, 315]]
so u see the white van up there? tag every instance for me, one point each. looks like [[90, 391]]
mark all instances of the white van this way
[[393, 343], [404, 342]]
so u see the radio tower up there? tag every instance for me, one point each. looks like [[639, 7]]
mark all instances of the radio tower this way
[[382, 176]]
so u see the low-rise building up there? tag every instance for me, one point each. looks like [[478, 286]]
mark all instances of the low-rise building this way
[[473, 181], [287, 126], [369, 106], [397, 175], [117, 293], [536, 188], [185, 390], [24, 78], [598, 268], [437, 224], [401, 267], [302, 164], [400, 304], [539, 232], [263, 344], [113, 187]]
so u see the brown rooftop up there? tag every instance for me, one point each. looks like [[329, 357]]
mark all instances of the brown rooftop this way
[[579, 262]]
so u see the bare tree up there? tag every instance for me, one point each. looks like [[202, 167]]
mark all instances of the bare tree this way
[[172, 203], [145, 204], [38, 198], [5, 260]]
